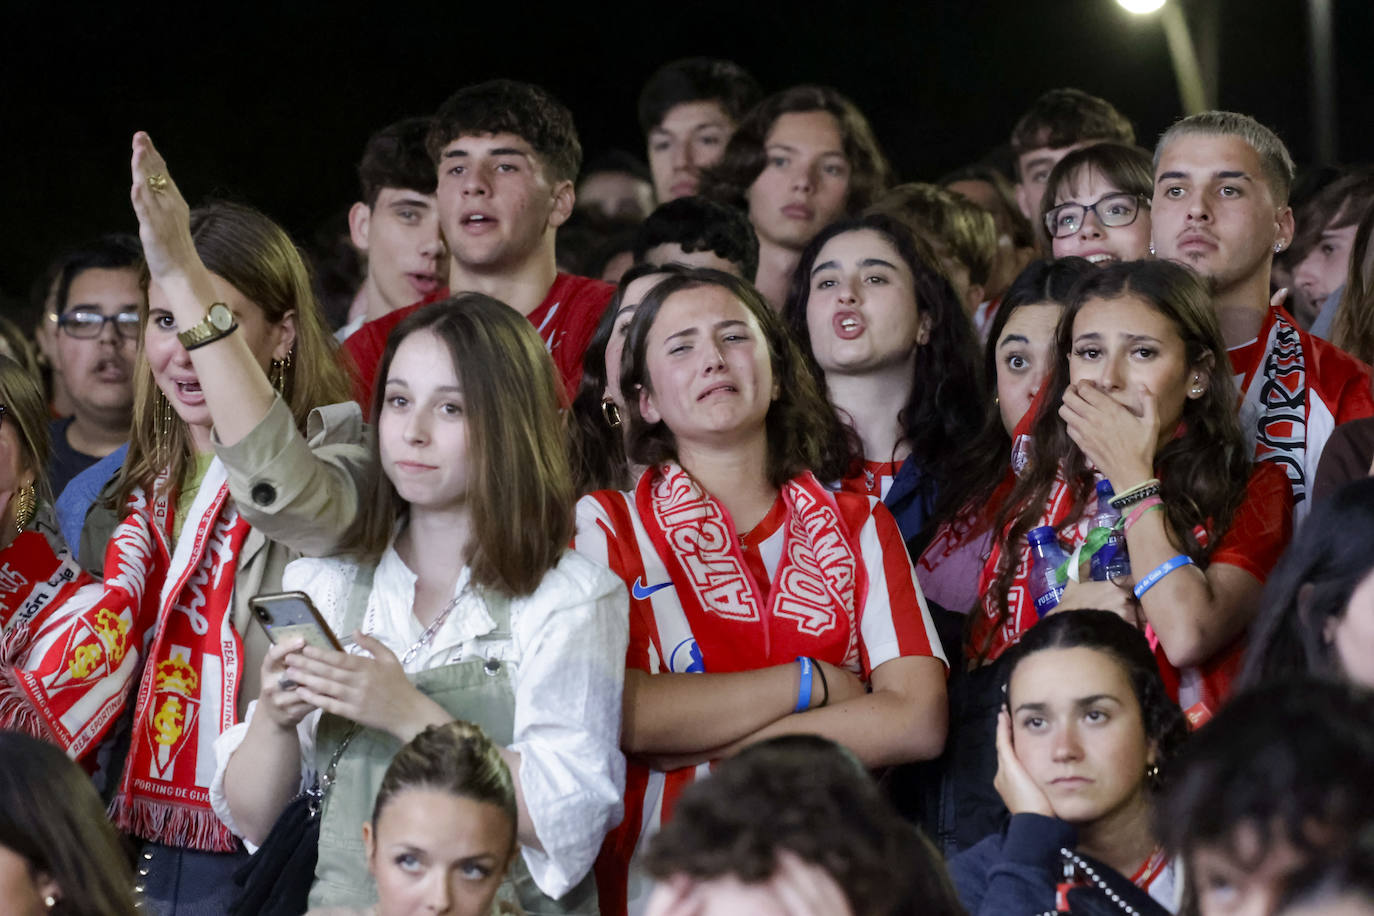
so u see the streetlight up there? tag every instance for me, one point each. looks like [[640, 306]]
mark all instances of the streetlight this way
[[1192, 93]]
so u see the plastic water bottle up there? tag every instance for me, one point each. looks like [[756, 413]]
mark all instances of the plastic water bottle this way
[[1046, 558], [1110, 561]]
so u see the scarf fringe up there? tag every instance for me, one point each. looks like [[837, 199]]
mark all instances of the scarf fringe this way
[[173, 825], [16, 709]]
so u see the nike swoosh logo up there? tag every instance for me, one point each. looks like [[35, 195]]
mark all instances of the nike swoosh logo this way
[[639, 590]]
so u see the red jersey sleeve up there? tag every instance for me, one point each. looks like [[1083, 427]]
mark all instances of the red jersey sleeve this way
[[1263, 524], [596, 537], [893, 618]]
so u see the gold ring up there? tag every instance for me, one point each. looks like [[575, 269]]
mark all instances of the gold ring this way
[[158, 182]]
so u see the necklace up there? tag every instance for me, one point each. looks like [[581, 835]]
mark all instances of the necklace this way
[[427, 636]]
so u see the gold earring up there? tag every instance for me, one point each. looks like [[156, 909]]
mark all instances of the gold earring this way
[[162, 418], [25, 506], [610, 411], [277, 376]]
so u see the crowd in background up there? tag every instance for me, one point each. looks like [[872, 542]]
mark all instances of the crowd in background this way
[[747, 531]]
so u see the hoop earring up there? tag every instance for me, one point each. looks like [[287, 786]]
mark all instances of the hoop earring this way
[[610, 412], [25, 506]]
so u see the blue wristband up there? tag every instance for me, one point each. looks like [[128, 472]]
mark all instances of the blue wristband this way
[[804, 688], [1159, 572]]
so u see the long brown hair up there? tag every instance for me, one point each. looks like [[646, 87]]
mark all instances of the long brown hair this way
[[804, 432], [1203, 471], [255, 256], [520, 489], [1353, 329]]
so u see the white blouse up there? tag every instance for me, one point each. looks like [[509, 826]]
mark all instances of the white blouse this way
[[566, 657]]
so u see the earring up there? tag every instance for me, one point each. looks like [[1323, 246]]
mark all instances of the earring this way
[[1152, 251], [50, 901], [278, 372], [25, 505], [1278, 246], [162, 418], [610, 412], [1152, 772]]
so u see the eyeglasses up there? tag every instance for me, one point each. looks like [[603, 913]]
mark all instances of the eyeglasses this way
[[86, 325], [1113, 211]]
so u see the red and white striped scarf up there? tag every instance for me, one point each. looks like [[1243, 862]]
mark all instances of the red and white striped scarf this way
[[75, 664], [738, 625]]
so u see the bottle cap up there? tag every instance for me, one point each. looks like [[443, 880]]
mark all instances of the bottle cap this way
[[1104, 489], [1042, 535]]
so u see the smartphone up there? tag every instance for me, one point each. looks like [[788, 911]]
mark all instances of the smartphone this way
[[287, 615]]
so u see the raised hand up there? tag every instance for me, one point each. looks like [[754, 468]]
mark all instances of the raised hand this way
[[164, 219]]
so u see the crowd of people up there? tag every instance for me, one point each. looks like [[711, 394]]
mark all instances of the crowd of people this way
[[743, 531]]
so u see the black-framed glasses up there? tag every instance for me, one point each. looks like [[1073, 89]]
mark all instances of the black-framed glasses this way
[[86, 325], [1112, 210]]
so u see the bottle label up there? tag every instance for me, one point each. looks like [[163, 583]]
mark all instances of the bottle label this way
[[1047, 602]]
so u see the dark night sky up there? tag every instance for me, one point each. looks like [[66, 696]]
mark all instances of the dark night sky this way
[[272, 106]]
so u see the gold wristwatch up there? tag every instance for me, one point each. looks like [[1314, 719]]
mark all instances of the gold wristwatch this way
[[218, 323]]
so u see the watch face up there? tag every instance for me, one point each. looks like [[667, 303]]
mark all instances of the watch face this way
[[220, 316]]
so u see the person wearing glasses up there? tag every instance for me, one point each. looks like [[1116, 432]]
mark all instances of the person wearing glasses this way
[[1097, 204], [90, 338]]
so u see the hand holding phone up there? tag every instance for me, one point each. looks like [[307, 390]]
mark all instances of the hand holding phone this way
[[288, 615]]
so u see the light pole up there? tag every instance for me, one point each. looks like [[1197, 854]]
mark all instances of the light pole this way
[[1192, 91], [1323, 80]]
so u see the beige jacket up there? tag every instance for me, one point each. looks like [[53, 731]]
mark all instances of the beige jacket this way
[[300, 495]]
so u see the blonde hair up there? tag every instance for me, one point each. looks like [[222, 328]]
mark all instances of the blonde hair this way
[[26, 408], [255, 256]]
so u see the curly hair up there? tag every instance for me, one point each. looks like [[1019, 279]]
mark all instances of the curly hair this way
[[745, 156], [804, 433], [1103, 631], [509, 107], [945, 407], [395, 157], [809, 796], [1203, 471]]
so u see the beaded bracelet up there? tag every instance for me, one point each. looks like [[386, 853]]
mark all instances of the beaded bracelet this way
[[1137, 493], [1159, 572]]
